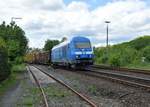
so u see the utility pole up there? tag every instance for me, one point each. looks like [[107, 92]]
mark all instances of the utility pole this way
[[107, 22]]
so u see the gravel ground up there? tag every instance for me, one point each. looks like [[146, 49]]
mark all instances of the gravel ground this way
[[59, 96], [104, 92], [41, 77]]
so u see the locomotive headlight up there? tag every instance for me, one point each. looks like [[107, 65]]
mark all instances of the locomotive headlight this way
[[77, 56]]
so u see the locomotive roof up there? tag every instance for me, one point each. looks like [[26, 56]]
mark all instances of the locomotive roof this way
[[67, 42], [61, 44]]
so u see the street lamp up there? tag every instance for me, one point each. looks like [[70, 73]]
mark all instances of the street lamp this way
[[15, 18], [107, 22]]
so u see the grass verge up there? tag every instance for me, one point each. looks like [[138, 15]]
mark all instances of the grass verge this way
[[144, 66], [18, 68], [6, 84], [12, 79], [55, 92]]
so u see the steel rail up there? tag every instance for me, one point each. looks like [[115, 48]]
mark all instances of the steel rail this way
[[108, 76], [70, 88], [122, 75], [122, 69], [40, 87], [128, 82]]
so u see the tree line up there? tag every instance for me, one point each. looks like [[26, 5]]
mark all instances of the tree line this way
[[135, 52], [49, 44]]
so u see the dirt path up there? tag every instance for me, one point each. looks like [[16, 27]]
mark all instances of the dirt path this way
[[15, 93], [11, 96]]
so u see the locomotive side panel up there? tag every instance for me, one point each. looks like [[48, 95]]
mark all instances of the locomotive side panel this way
[[76, 52]]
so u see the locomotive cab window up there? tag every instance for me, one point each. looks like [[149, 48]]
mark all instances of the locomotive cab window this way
[[82, 45]]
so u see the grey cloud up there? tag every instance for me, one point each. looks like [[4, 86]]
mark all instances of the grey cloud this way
[[50, 5], [33, 25], [43, 20]]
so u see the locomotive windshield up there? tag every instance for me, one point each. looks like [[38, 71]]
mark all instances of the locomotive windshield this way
[[82, 45]]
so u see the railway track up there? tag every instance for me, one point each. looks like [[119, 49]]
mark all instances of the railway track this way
[[136, 80], [112, 90], [140, 71], [121, 78], [83, 97], [40, 87]]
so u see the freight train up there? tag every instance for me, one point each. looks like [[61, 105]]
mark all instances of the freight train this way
[[73, 53], [38, 57]]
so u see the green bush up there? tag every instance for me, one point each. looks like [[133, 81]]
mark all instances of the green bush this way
[[146, 53], [104, 59], [92, 89], [18, 60], [128, 56], [100, 55], [18, 68], [114, 60]]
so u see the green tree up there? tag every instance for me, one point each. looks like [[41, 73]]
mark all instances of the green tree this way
[[124, 54], [49, 44], [63, 39], [15, 39], [4, 66], [114, 60], [13, 46], [140, 42]]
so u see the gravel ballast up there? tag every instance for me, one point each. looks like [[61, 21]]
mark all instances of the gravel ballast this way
[[57, 95], [104, 92]]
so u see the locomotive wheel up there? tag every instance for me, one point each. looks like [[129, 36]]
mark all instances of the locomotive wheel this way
[[54, 66], [73, 67], [68, 66]]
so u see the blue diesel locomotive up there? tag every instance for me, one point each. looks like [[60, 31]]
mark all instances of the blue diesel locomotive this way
[[74, 53]]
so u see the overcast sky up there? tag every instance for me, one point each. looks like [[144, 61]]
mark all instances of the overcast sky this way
[[54, 19]]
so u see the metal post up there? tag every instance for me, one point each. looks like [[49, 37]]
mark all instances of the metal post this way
[[107, 22], [107, 36]]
